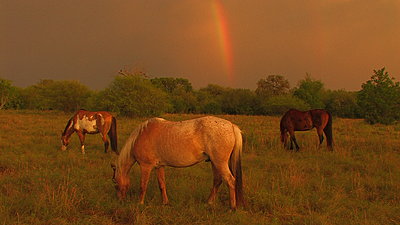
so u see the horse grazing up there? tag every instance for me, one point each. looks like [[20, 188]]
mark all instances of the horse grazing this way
[[295, 120], [87, 122], [157, 143]]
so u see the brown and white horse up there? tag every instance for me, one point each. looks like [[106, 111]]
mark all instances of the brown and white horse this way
[[87, 122], [295, 120], [157, 143]]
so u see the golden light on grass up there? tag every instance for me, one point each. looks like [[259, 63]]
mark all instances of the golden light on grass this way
[[356, 183]]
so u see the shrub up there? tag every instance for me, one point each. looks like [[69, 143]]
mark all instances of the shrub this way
[[278, 105], [379, 98], [134, 95]]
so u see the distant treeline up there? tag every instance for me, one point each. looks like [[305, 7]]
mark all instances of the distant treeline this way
[[134, 94]]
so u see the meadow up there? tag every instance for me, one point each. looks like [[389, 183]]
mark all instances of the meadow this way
[[357, 183]]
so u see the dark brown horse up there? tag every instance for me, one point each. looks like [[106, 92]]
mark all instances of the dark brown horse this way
[[295, 120], [87, 122]]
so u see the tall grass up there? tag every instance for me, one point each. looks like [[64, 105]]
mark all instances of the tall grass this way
[[358, 183]]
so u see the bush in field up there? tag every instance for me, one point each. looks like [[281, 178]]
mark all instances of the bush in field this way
[[310, 91], [207, 104], [278, 105], [9, 95], [272, 85], [215, 99], [180, 93], [67, 95], [379, 98], [183, 101], [209, 99], [5, 92], [342, 103], [239, 101], [134, 95]]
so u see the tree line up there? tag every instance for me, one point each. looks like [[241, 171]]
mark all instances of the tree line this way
[[135, 94]]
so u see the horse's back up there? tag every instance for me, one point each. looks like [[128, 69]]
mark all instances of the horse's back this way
[[296, 120], [92, 121], [320, 117], [184, 143]]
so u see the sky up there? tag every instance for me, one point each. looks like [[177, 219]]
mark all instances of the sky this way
[[231, 43]]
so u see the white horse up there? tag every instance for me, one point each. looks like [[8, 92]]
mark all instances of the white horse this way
[[157, 143]]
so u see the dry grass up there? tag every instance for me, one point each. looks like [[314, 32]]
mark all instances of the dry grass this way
[[358, 183]]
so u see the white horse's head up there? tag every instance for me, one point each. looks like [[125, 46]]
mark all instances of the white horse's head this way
[[121, 183]]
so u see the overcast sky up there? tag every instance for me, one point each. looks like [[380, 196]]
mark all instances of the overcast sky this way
[[339, 42]]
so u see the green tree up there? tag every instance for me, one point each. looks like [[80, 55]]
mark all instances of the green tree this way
[[134, 95], [310, 91], [183, 101], [6, 92], [278, 105], [67, 95], [180, 93], [239, 101], [169, 84], [273, 85], [379, 98], [210, 99], [342, 103]]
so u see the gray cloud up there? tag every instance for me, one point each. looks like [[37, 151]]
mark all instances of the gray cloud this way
[[339, 42]]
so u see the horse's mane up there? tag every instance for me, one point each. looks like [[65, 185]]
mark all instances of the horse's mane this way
[[125, 153], [67, 126]]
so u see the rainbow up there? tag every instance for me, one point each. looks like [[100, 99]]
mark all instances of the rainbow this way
[[224, 38]]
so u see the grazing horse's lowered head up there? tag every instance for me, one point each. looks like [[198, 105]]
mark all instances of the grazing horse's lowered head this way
[[157, 143], [87, 122], [65, 135]]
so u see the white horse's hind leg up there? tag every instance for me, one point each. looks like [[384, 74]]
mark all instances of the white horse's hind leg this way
[[144, 180], [230, 181], [161, 184], [216, 183], [83, 149]]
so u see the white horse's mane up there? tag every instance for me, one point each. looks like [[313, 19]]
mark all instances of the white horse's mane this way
[[125, 153]]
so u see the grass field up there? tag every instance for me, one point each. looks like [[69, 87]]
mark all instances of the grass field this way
[[358, 183]]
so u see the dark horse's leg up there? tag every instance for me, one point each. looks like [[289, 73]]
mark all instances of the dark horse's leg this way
[[293, 139], [291, 144], [320, 135], [284, 140]]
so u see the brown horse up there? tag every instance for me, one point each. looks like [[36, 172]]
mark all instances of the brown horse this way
[[87, 122], [157, 143], [295, 120]]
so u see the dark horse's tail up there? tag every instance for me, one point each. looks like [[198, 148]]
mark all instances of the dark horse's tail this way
[[112, 133], [328, 132], [235, 165]]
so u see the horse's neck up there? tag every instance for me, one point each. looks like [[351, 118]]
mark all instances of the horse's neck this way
[[125, 165], [125, 159], [69, 132]]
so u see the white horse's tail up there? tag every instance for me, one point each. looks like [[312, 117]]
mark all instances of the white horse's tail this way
[[235, 165]]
